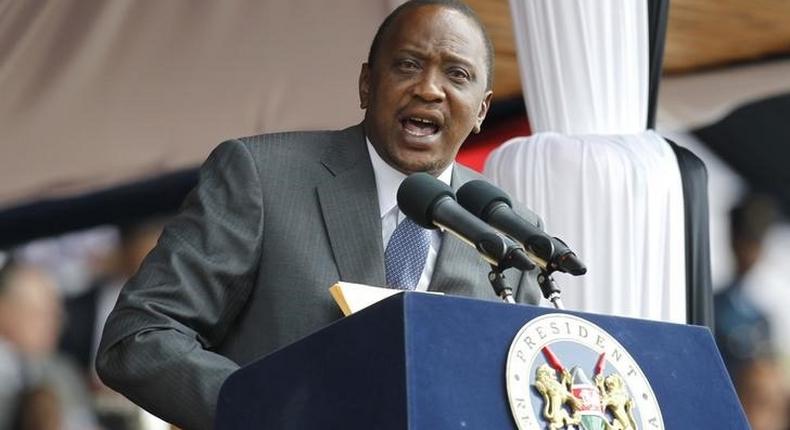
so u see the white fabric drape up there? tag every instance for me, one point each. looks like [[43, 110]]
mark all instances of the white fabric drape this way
[[614, 200], [584, 64], [602, 183]]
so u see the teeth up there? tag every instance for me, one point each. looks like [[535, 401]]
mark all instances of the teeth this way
[[424, 121], [420, 127]]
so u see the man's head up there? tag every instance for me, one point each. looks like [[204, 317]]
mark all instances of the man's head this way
[[456, 5], [137, 240], [426, 85], [750, 220], [30, 309]]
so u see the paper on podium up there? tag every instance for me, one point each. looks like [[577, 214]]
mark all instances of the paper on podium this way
[[353, 297]]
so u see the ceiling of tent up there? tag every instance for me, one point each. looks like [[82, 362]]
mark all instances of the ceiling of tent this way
[[95, 93], [701, 34], [98, 93]]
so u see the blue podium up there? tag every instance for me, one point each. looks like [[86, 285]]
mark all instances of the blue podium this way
[[418, 361]]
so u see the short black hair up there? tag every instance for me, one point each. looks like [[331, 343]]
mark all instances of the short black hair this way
[[450, 4], [752, 217], [7, 267]]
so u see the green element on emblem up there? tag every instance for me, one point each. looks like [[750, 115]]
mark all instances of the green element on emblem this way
[[590, 412], [593, 422]]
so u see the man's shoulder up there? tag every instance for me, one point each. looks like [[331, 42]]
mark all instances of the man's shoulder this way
[[285, 154], [289, 148], [466, 174], [289, 140]]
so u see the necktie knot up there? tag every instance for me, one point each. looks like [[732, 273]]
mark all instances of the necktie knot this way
[[404, 258]]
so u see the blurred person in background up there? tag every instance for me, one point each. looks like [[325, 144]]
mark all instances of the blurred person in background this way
[[38, 390], [87, 312], [743, 332], [39, 409], [763, 394]]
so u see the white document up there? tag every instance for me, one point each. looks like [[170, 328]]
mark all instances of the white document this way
[[354, 297]]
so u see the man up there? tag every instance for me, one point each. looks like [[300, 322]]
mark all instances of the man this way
[[743, 331], [277, 219], [29, 326], [87, 312], [39, 389]]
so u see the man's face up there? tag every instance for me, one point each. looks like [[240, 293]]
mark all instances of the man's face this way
[[427, 89]]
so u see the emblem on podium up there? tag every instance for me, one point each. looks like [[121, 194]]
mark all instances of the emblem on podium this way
[[548, 385]]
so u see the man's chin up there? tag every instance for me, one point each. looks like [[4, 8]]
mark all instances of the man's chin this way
[[408, 161], [432, 167]]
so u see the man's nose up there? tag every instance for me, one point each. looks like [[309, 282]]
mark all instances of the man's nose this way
[[429, 87]]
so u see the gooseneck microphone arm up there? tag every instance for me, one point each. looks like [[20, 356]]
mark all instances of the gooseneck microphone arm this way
[[493, 206], [551, 254], [493, 247]]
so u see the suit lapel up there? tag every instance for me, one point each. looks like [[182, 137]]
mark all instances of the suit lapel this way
[[349, 206]]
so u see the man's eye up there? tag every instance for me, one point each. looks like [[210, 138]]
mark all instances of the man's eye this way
[[458, 74], [408, 65]]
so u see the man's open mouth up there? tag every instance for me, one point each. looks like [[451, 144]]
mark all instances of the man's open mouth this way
[[419, 127]]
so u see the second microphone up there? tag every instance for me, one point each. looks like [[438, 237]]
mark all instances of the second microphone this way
[[431, 204]]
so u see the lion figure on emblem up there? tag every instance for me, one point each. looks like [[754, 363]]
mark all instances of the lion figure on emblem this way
[[614, 397], [555, 395]]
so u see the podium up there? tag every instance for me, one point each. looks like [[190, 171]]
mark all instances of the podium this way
[[419, 361]]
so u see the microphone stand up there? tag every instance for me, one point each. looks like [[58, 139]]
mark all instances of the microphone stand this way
[[548, 286], [497, 280], [550, 289]]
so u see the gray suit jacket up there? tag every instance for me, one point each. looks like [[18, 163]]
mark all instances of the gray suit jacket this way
[[245, 268]]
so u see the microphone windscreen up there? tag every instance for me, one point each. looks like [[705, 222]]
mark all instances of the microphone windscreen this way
[[418, 194], [476, 197]]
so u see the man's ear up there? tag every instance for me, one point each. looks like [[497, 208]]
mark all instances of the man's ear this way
[[364, 86], [481, 114]]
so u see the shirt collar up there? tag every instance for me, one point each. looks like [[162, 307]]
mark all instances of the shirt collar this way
[[388, 179]]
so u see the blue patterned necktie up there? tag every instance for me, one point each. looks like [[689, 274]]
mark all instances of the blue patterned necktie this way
[[405, 256]]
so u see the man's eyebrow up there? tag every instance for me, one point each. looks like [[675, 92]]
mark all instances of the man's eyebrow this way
[[452, 58], [447, 57], [411, 51]]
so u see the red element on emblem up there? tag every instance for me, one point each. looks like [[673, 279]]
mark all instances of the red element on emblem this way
[[552, 359], [600, 364], [589, 398]]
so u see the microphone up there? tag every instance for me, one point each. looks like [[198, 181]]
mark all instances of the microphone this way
[[431, 204], [493, 206]]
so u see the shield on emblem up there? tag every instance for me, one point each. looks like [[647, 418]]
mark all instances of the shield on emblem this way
[[591, 410]]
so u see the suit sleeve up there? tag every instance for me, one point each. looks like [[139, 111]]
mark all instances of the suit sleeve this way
[[157, 346]]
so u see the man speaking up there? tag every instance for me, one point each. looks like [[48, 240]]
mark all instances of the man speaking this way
[[276, 219]]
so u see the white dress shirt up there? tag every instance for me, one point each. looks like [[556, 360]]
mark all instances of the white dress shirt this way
[[387, 182]]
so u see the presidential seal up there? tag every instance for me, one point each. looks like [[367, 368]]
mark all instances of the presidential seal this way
[[548, 384]]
